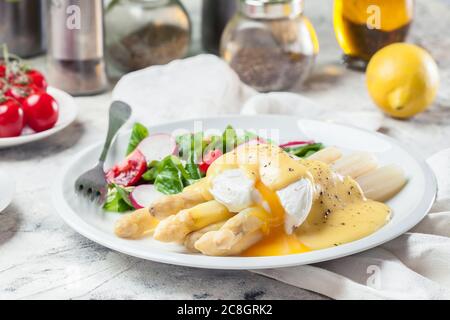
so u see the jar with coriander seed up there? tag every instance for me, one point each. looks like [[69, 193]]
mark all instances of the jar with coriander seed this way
[[270, 44], [142, 33]]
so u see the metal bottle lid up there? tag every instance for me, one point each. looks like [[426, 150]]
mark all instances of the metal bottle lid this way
[[271, 9]]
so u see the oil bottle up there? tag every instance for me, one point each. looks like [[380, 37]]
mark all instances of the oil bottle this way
[[363, 27]]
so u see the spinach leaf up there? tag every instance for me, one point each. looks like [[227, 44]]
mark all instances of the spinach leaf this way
[[189, 143], [248, 136], [184, 144], [192, 168], [191, 148], [306, 150], [118, 199], [171, 176], [230, 139], [152, 171], [139, 133]]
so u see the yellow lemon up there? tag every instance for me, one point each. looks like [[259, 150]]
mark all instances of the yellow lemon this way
[[402, 79]]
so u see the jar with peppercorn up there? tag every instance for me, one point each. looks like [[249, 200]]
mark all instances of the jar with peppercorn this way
[[142, 33], [270, 44]]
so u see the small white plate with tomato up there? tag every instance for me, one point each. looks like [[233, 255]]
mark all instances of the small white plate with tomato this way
[[29, 109]]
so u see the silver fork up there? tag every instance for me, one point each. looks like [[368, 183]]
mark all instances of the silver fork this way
[[92, 184]]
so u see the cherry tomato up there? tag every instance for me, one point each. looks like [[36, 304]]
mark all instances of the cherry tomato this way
[[11, 118], [2, 70], [41, 111], [208, 159], [20, 93], [129, 172], [37, 79]]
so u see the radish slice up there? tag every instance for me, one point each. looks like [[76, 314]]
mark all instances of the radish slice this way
[[296, 143], [158, 146], [144, 195]]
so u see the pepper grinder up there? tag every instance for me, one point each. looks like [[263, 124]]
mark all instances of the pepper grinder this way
[[76, 46]]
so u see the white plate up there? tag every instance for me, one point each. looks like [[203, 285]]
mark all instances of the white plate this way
[[7, 188], [409, 206], [67, 113]]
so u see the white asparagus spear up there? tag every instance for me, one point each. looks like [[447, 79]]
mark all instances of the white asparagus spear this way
[[172, 204], [327, 155], [355, 164], [383, 183], [136, 225], [236, 235], [176, 227], [192, 238]]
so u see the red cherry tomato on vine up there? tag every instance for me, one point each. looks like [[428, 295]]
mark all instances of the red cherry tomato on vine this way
[[41, 111], [208, 159], [37, 79], [2, 84], [11, 118], [2, 70], [129, 172], [20, 93]]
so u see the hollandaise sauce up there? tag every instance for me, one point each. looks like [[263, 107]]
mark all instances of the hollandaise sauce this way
[[339, 211]]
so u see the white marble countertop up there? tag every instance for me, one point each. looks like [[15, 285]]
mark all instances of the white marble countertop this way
[[42, 258]]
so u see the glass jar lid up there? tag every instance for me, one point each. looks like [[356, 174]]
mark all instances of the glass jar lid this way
[[271, 9], [144, 3]]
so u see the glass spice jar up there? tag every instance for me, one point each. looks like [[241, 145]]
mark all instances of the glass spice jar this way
[[142, 33], [270, 44]]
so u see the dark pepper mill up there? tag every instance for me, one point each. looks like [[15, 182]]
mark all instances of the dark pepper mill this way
[[215, 16]]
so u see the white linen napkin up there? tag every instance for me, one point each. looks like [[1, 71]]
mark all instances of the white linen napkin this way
[[200, 86], [205, 85], [414, 266]]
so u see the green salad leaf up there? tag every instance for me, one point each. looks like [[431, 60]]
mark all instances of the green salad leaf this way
[[230, 139], [189, 144], [139, 133], [191, 148], [192, 168], [248, 136], [184, 144], [118, 199], [225, 142], [171, 176], [152, 170], [306, 150]]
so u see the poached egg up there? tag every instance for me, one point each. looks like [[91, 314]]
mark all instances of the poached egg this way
[[238, 188]]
